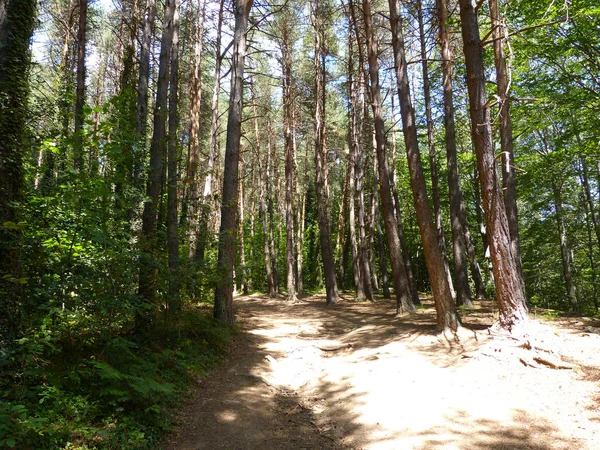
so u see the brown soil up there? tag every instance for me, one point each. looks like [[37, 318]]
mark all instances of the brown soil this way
[[353, 375]]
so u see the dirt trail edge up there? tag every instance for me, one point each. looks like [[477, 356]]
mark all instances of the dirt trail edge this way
[[352, 376]]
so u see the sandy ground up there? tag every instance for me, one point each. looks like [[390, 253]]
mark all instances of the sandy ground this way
[[355, 376]]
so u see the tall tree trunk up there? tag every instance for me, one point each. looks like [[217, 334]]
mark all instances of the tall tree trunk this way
[[172, 179], [340, 243], [447, 317], [193, 187], [141, 120], [412, 282], [301, 219], [509, 283], [264, 177], [463, 290], [435, 185], [211, 164], [372, 212], [244, 274], [148, 269], [353, 161], [80, 89], [403, 300], [17, 19], [506, 138], [272, 164], [321, 159], [565, 248], [385, 283], [289, 155], [223, 309]]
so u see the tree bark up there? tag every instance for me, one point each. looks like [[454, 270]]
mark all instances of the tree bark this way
[[590, 252], [272, 165], [565, 249], [508, 281], [385, 283], [412, 282], [148, 269], [353, 159], [463, 290], [211, 164], [174, 301], [435, 185], [80, 89], [321, 159], [264, 177], [289, 155], [244, 272], [403, 300], [447, 317], [301, 220], [17, 20], [141, 120], [340, 243], [506, 138], [193, 186], [223, 309]]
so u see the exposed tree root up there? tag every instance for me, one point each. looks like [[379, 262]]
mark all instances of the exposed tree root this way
[[506, 346], [334, 348]]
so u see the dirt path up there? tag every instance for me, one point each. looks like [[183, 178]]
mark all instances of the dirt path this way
[[308, 376]]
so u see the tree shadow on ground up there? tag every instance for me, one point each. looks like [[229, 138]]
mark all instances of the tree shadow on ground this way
[[241, 406], [522, 431], [234, 408]]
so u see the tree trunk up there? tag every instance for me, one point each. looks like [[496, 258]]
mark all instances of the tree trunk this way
[[508, 281], [447, 317], [385, 284], [17, 20], [321, 159], [362, 275], [412, 282], [463, 291], [174, 301], [374, 206], [223, 309], [148, 269], [244, 274], [435, 188], [193, 188], [301, 219], [353, 160], [289, 155], [141, 120], [340, 243], [509, 189], [403, 300], [264, 177], [211, 164], [565, 249], [80, 89], [359, 168], [272, 164]]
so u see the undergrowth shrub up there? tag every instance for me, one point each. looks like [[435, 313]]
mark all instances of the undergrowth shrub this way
[[80, 388]]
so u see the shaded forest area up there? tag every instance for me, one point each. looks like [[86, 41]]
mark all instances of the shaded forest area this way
[[158, 156]]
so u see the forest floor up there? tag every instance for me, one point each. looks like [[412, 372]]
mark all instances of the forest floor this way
[[354, 376]]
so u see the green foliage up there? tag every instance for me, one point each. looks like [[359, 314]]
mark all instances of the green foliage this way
[[96, 390]]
